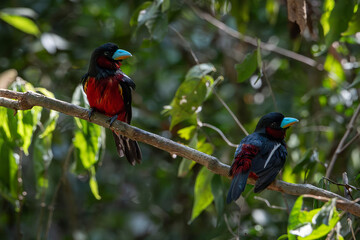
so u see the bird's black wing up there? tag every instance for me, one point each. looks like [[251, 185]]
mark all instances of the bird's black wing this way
[[127, 84], [272, 166]]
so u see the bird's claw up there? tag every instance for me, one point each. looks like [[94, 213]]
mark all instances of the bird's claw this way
[[112, 119], [91, 112]]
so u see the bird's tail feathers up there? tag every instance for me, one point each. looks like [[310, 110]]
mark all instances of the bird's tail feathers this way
[[238, 185], [128, 148]]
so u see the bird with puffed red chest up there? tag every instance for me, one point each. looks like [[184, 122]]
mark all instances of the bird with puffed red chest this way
[[108, 91], [260, 155]]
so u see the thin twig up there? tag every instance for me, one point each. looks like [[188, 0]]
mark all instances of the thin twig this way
[[268, 203], [270, 88], [187, 44], [229, 228], [340, 148], [57, 189], [253, 41], [350, 141], [231, 113], [340, 184], [349, 222], [201, 124], [30, 99]]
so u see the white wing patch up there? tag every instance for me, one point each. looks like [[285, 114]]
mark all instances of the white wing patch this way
[[272, 153]]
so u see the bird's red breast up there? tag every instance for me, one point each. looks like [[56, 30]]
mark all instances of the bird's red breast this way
[[105, 95]]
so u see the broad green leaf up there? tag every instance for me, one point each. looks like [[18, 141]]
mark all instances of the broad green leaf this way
[[325, 214], [203, 196], [88, 143], [338, 20], [165, 5], [283, 237], [328, 6], [314, 224], [199, 71], [187, 132], [354, 25], [335, 71], [204, 147], [26, 120], [9, 168], [247, 68], [155, 20], [217, 190], [93, 184], [22, 23], [187, 164], [294, 214], [272, 10], [135, 15], [42, 150], [188, 99]]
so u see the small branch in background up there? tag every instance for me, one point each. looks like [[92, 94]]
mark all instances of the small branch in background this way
[[186, 43], [271, 91], [201, 124], [212, 163], [231, 113], [349, 221], [340, 148], [229, 228], [268, 203], [57, 189], [253, 41]]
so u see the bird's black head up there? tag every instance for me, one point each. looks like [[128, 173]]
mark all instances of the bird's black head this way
[[106, 60], [275, 125]]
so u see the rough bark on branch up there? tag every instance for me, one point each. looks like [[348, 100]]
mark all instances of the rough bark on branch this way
[[27, 100]]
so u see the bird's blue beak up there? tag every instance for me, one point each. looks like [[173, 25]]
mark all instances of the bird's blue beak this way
[[121, 54], [288, 121]]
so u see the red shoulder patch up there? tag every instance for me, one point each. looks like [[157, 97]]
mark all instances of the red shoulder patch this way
[[242, 162]]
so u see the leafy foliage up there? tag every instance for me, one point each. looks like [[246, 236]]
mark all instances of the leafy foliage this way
[[50, 44]]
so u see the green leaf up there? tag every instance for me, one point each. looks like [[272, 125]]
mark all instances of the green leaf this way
[[335, 71], [247, 68], [199, 71], [155, 20], [314, 224], [165, 5], [202, 193], [42, 150], [354, 25], [217, 190], [186, 132], [190, 94], [187, 164], [204, 147], [24, 24], [93, 184], [283, 237], [339, 19], [88, 144], [135, 15]]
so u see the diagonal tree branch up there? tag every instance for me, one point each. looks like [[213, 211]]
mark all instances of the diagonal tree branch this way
[[341, 146], [29, 99], [253, 41]]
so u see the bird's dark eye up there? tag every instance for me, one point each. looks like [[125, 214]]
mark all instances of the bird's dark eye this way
[[273, 125], [107, 53]]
